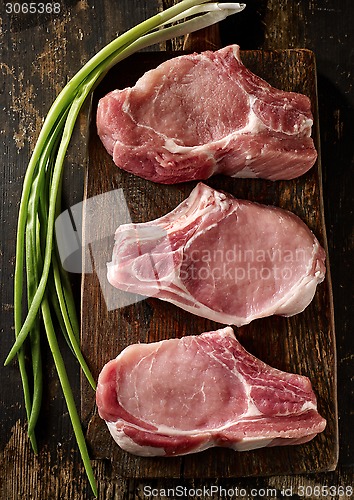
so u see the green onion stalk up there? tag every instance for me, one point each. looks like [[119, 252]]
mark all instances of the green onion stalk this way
[[47, 284]]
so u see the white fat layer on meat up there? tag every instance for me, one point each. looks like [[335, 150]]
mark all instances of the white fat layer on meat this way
[[247, 444], [165, 430], [127, 444], [251, 444], [304, 291]]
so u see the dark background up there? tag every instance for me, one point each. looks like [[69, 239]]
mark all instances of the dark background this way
[[39, 53]]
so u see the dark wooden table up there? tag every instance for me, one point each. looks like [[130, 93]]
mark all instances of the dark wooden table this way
[[39, 53]]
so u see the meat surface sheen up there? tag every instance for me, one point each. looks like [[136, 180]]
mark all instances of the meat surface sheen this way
[[219, 395], [224, 259], [201, 114]]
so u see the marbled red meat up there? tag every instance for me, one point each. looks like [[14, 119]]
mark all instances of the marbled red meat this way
[[201, 114], [219, 395], [228, 260]]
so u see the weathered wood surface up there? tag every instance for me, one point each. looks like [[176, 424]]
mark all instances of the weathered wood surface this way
[[37, 55], [302, 344]]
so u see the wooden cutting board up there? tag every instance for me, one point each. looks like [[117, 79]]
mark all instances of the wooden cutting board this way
[[303, 344]]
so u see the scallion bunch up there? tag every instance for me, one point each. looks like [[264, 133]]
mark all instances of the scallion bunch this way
[[47, 284]]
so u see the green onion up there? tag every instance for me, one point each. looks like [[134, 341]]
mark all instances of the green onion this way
[[48, 286]]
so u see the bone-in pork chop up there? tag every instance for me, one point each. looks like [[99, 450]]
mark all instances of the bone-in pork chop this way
[[224, 259], [182, 396], [201, 114]]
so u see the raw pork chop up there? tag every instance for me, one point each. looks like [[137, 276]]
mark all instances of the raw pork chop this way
[[201, 114], [228, 260], [219, 395]]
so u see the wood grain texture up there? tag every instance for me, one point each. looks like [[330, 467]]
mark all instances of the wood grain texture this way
[[303, 344]]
